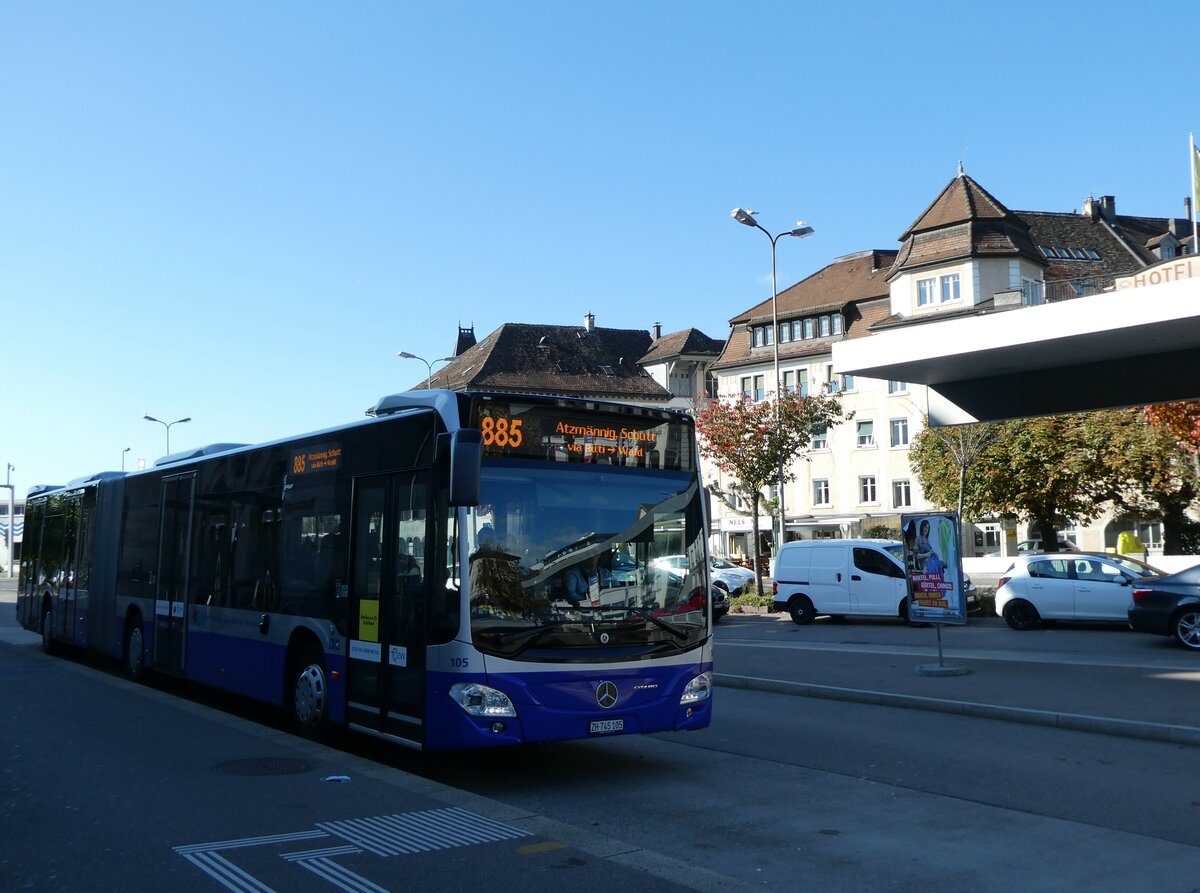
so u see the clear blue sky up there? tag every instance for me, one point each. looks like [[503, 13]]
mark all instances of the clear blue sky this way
[[240, 212]]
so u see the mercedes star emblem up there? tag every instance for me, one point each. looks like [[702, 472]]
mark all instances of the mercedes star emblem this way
[[606, 694]]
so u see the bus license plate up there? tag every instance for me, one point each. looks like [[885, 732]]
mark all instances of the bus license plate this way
[[600, 726]]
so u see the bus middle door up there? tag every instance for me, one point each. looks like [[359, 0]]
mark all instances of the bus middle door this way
[[170, 597], [387, 598]]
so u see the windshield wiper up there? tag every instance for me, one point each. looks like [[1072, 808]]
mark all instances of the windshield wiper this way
[[525, 638], [657, 621]]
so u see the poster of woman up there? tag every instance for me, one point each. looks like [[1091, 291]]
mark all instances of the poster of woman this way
[[933, 559]]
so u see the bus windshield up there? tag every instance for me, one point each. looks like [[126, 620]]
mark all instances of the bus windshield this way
[[562, 562]]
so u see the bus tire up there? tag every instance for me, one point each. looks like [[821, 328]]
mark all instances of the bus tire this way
[[309, 693], [135, 649], [49, 646]]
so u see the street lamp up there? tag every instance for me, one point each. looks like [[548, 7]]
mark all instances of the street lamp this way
[[745, 217], [123, 452], [405, 355], [11, 535], [167, 425]]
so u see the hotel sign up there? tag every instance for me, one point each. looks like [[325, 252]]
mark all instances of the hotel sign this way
[[1168, 271]]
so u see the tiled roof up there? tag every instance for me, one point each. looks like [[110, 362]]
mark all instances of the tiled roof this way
[[854, 277], [964, 221], [852, 285], [961, 200], [562, 360], [1118, 252], [689, 342]]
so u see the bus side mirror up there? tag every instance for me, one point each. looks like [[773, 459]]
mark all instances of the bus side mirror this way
[[466, 454]]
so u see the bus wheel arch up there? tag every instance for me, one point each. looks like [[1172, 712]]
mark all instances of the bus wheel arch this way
[[306, 686], [134, 650]]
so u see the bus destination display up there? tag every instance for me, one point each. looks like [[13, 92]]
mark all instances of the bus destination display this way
[[542, 432]]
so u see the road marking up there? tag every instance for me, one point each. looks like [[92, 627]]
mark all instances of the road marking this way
[[340, 876], [226, 873], [418, 832], [388, 835]]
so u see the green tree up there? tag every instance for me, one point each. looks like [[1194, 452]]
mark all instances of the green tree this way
[[937, 452], [747, 441], [1043, 470]]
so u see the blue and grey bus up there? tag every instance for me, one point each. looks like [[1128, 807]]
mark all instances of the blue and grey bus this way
[[455, 570]]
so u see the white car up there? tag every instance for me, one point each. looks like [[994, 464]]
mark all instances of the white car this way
[[728, 575], [1064, 586], [723, 574]]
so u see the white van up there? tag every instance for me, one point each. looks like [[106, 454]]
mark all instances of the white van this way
[[841, 577]]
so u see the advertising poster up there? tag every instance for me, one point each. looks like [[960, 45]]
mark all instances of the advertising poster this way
[[933, 561]]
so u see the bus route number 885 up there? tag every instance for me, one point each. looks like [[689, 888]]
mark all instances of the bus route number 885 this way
[[502, 432]]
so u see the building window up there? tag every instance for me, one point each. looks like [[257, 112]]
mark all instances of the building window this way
[[809, 331], [825, 328], [901, 494], [866, 489], [899, 432], [821, 491], [866, 434], [785, 332], [710, 385], [925, 290], [820, 440], [746, 392], [759, 388], [950, 288], [803, 382], [836, 320], [789, 381], [847, 382], [897, 387]]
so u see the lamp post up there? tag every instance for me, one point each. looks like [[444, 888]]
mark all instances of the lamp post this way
[[123, 452], [405, 355], [167, 425], [11, 535], [745, 217]]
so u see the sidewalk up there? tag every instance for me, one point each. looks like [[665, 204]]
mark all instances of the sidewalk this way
[[1139, 699]]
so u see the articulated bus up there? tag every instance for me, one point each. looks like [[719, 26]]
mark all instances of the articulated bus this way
[[408, 575]]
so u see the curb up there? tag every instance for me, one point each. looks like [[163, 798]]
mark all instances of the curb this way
[[1125, 728]]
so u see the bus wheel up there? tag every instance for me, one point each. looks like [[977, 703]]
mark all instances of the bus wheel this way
[[310, 693], [135, 650], [48, 644]]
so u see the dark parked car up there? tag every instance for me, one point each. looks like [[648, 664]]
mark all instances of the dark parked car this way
[[1169, 606]]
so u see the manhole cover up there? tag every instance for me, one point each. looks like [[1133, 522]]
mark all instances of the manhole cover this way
[[264, 766]]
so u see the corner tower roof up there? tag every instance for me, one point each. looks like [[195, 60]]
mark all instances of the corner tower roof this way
[[964, 221]]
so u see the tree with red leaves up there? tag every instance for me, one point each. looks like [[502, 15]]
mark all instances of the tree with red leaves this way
[[757, 443]]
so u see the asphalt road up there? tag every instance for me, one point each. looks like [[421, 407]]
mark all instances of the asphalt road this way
[[106, 785]]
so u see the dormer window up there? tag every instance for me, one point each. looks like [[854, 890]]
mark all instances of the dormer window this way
[[950, 286], [925, 292], [1062, 252]]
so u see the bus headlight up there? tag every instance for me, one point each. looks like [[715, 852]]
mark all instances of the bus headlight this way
[[699, 689], [482, 700]]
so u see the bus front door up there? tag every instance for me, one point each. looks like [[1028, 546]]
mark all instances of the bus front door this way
[[388, 592], [170, 596]]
